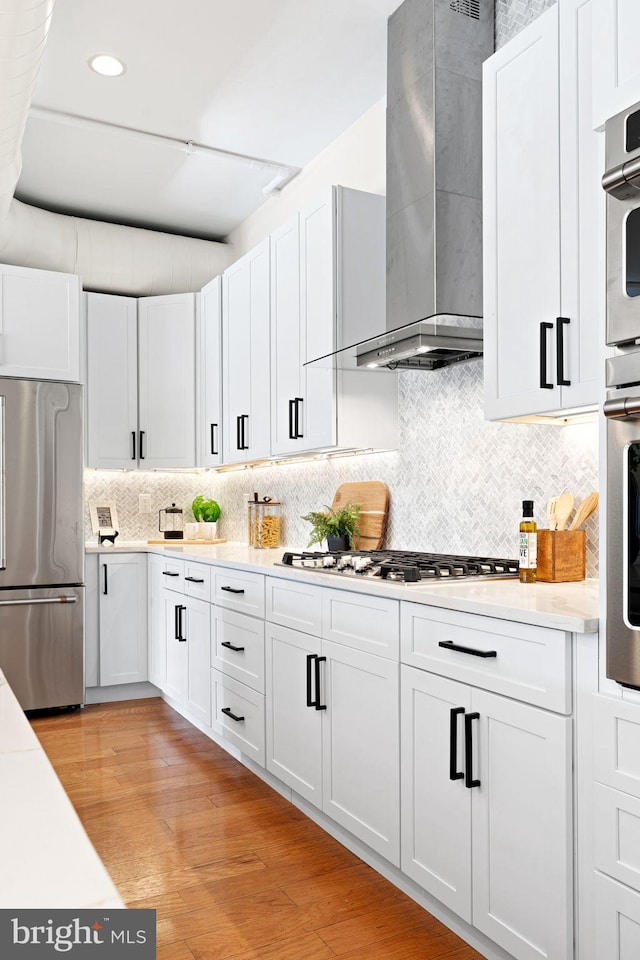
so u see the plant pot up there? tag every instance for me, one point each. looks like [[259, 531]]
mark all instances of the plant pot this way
[[335, 544], [207, 530]]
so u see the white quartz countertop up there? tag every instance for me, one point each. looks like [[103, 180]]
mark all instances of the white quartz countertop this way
[[561, 606], [47, 858]]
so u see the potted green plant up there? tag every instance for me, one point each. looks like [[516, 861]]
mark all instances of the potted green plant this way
[[206, 514], [337, 527]]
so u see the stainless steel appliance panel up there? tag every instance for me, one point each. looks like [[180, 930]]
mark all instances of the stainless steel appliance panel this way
[[41, 645], [41, 523]]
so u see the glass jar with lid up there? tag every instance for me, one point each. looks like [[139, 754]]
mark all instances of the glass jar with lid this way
[[264, 522]]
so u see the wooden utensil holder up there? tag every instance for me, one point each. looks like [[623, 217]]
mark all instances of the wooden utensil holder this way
[[561, 556]]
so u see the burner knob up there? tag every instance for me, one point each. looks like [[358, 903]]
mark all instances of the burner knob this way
[[361, 563], [328, 561], [345, 562]]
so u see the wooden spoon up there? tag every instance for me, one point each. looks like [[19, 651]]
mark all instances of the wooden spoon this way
[[564, 506], [584, 511], [551, 513]]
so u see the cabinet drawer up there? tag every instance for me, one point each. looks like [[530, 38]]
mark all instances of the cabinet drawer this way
[[238, 590], [365, 623], [173, 575], [617, 921], [237, 647], [295, 605], [246, 731], [616, 817], [527, 663], [197, 580], [616, 746]]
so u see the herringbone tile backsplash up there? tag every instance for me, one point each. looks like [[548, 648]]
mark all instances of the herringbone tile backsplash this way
[[456, 481]]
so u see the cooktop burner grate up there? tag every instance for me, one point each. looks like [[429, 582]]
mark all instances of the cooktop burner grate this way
[[407, 566]]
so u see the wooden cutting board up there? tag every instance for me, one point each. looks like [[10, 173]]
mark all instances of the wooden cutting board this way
[[373, 497], [169, 543]]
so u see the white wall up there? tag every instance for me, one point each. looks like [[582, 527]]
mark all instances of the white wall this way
[[355, 159]]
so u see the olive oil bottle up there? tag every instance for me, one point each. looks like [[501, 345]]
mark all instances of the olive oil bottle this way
[[528, 544]]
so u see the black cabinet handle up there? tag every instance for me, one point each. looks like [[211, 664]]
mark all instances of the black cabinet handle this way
[[454, 773], [468, 750], [298, 404], [238, 440], [180, 637], [214, 427], [142, 434], [231, 590], [243, 445], [292, 432], [230, 646], [176, 625], [317, 704], [310, 658], [485, 654], [193, 579], [169, 573], [133, 444], [561, 323], [227, 711], [544, 385], [105, 588]]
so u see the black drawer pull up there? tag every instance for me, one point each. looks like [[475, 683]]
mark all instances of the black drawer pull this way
[[485, 654], [227, 712], [168, 573], [230, 646], [468, 750], [194, 580], [454, 773], [232, 590]]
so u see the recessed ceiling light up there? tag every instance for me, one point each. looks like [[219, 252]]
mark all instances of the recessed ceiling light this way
[[107, 66]]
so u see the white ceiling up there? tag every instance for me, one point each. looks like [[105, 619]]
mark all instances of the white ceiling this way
[[275, 79]]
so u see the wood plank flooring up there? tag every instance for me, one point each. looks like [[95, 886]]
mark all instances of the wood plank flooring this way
[[234, 871]]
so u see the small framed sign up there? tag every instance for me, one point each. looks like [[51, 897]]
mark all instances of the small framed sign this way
[[104, 516]]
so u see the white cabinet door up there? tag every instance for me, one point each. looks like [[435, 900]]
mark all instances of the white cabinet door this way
[[112, 381], [616, 75], [123, 619], [521, 221], [294, 725], [318, 319], [287, 375], [176, 646], [157, 622], [436, 806], [166, 352], [91, 621], [245, 357], [522, 822], [209, 375], [39, 324], [360, 746], [617, 920], [196, 628]]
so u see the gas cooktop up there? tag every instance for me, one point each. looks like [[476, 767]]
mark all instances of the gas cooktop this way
[[407, 566]]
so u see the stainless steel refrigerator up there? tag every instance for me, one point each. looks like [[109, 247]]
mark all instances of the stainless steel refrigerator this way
[[41, 542]]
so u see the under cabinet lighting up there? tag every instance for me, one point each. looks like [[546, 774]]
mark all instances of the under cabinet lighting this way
[[107, 65]]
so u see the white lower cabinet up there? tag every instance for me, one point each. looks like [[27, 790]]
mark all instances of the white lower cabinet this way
[[486, 791], [157, 634], [187, 626], [617, 920], [333, 734], [122, 619], [238, 715]]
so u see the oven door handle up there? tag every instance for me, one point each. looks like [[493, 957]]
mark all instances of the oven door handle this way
[[622, 408]]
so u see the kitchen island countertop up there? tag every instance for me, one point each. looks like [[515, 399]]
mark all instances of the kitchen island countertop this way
[[561, 606], [48, 860]]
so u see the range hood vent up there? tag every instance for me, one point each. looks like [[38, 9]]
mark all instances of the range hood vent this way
[[435, 53]]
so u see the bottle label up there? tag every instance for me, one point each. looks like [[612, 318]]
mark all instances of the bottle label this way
[[528, 551]]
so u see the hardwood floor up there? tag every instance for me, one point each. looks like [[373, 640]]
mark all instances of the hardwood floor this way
[[232, 869]]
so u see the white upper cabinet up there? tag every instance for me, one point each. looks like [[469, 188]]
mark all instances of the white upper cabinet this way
[[245, 357], [209, 375], [39, 324], [616, 67], [141, 370], [542, 207], [112, 381], [166, 371], [327, 292]]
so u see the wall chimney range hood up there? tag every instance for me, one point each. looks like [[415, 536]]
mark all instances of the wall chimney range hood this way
[[434, 188]]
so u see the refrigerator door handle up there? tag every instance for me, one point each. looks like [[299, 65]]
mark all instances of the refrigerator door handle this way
[[3, 513], [29, 603]]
